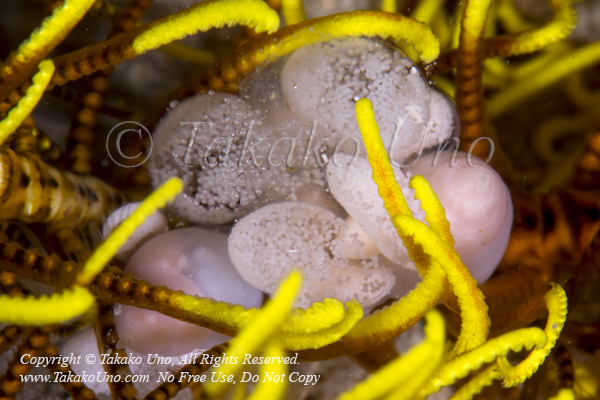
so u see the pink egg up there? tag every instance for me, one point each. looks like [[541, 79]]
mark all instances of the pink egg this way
[[192, 260]]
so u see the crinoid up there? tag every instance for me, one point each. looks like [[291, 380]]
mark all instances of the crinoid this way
[[298, 263]]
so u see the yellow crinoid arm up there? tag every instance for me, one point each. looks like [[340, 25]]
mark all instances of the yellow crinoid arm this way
[[389, 6], [263, 326], [435, 333], [53, 30], [293, 11], [201, 17], [563, 21], [498, 348], [564, 394], [268, 387], [107, 250], [45, 310], [18, 114], [511, 18], [476, 384], [475, 321], [318, 316], [461, 366], [383, 174], [321, 324], [560, 68], [435, 215], [473, 22], [388, 323], [422, 358], [314, 339], [357, 24], [455, 34], [556, 301], [425, 11], [395, 319]]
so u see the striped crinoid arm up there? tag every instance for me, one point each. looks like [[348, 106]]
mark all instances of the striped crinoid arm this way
[[32, 191], [76, 300], [319, 325], [28, 138]]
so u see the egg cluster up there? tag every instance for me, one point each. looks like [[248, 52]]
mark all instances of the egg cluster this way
[[284, 162]]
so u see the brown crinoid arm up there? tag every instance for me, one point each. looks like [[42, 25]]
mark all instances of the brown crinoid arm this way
[[491, 47], [587, 168], [113, 285], [79, 140], [73, 247], [375, 358], [9, 335], [21, 64], [225, 75], [76, 389], [32, 346], [32, 264], [107, 343], [469, 84], [553, 230]]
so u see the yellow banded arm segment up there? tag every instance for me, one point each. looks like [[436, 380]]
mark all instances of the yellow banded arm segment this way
[[264, 324], [556, 301], [26, 105], [45, 310], [204, 16], [358, 24], [424, 357]]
